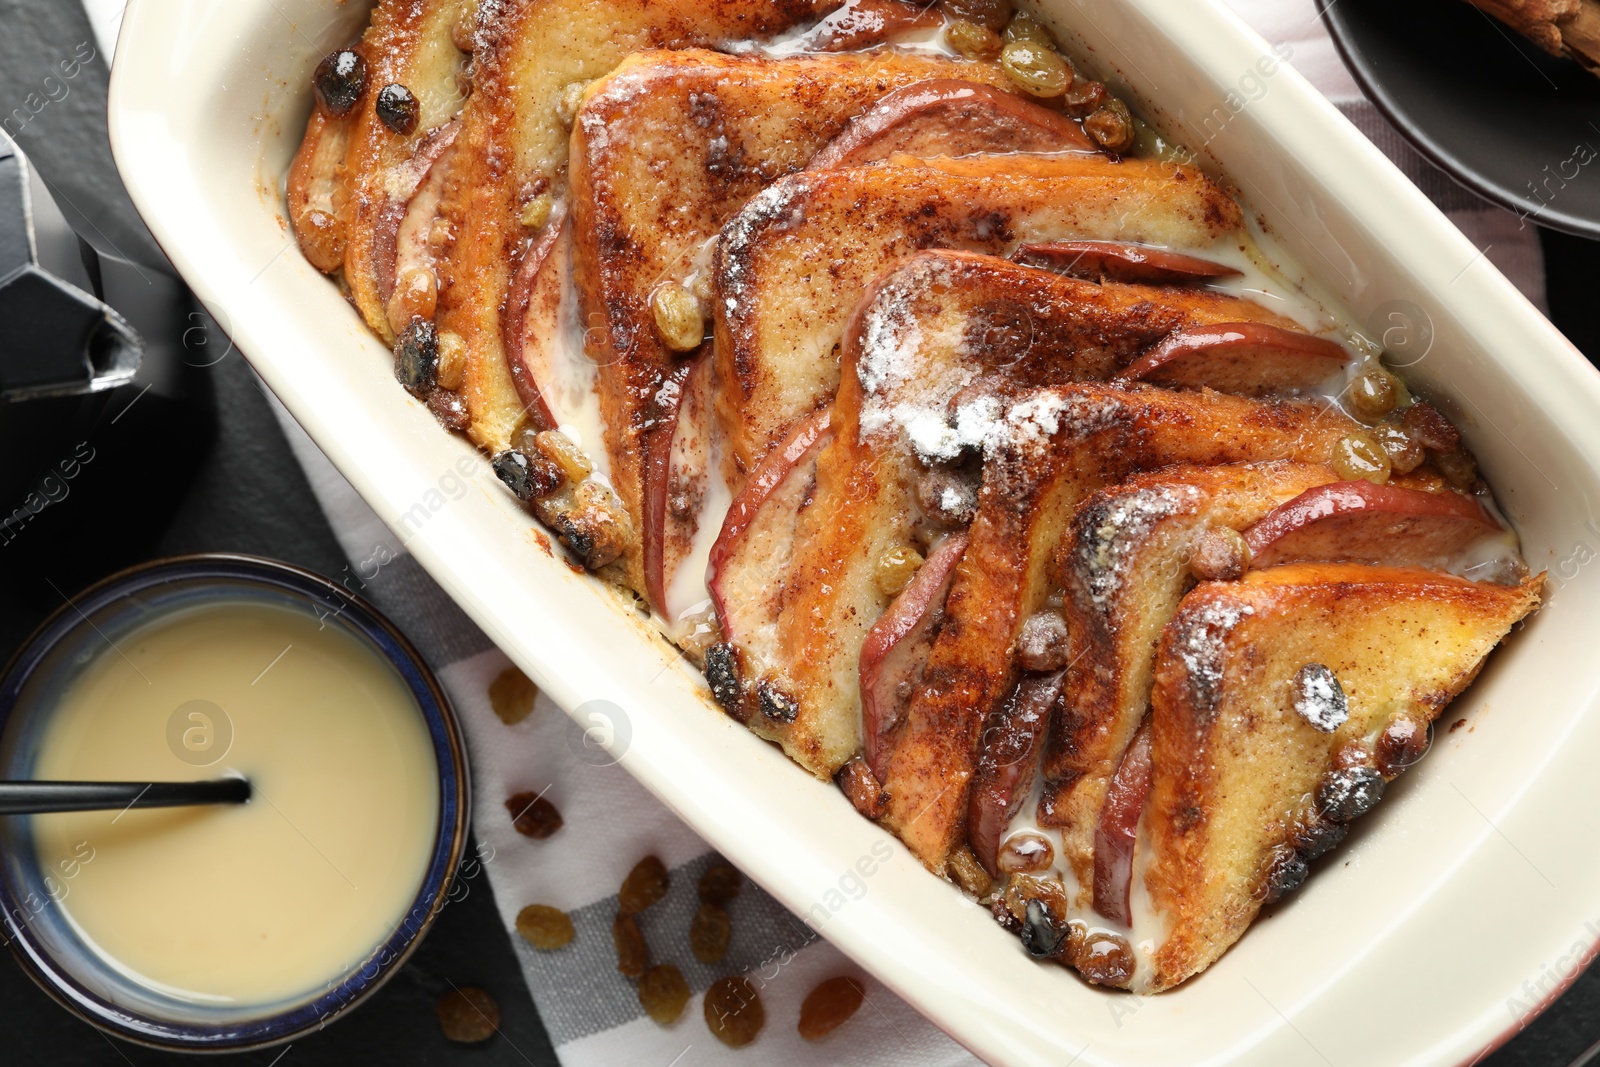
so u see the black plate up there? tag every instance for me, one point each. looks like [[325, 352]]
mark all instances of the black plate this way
[[1507, 120]]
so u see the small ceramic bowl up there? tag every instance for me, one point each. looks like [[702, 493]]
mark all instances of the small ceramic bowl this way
[[40, 934]]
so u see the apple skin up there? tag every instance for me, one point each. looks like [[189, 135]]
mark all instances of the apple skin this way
[[394, 209], [961, 116], [1242, 358], [1120, 262], [889, 653], [1008, 759], [868, 22], [1361, 522], [537, 267], [808, 437], [655, 475], [1117, 828]]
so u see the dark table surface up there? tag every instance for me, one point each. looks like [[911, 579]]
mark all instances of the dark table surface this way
[[199, 464]]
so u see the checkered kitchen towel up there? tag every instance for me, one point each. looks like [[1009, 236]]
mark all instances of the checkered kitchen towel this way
[[591, 1012]]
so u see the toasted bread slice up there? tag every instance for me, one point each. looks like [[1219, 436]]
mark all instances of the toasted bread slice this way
[[512, 151], [354, 176], [792, 266], [1250, 764], [1045, 451], [926, 330], [410, 44], [665, 150], [1123, 567]]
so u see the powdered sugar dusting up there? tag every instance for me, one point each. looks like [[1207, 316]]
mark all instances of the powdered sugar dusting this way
[[1319, 698], [1203, 642], [1114, 530]]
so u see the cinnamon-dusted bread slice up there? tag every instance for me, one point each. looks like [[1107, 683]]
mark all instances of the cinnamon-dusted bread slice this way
[[1131, 553], [508, 174], [1281, 705], [665, 150], [793, 264], [890, 482], [1044, 452], [353, 197]]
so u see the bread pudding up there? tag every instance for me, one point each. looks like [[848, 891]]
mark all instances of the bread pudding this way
[[954, 425]]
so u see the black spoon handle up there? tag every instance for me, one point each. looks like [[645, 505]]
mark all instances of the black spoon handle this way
[[25, 798]]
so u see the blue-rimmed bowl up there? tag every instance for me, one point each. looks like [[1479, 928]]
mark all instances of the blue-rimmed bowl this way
[[40, 936]]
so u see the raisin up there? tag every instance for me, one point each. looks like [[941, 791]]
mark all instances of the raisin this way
[[965, 870], [1349, 793], [450, 409], [1402, 743], [1429, 428], [1359, 456], [829, 1006], [398, 108], [896, 568], [1220, 555], [1025, 852], [1036, 69], [545, 927], [1318, 838], [663, 993], [1105, 958], [1458, 468], [1111, 126], [340, 80], [993, 14], [468, 1015], [1288, 873], [416, 358], [948, 496], [1002, 915], [1024, 887], [866, 793], [1084, 97], [511, 695], [1372, 394], [645, 884], [680, 319], [633, 955], [1042, 937], [708, 933], [1042, 642], [733, 1011], [1405, 454], [533, 815], [722, 675], [1319, 698], [776, 704], [720, 884], [972, 40]]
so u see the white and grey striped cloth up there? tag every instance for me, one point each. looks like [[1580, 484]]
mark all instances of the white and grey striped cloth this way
[[592, 1012]]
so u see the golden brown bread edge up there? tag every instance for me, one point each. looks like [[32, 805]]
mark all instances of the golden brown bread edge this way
[[1123, 567], [512, 150], [665, 150], [1242, 784], [349, 171], [1051, 448], [947, 317], [793, 264]]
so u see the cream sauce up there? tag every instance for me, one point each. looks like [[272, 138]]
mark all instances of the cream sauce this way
[[261, 902]]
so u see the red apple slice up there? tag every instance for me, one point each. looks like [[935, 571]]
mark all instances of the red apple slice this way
[[400, 232], [1118, 826], [776, 483], [861, 23], [657, 475], [533, 305], [1243, 358], [1120, 262], [1008, 759], [1360, 522], [897, 646], [949, 117]]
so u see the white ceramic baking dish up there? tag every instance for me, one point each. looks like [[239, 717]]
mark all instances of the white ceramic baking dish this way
[[1456, 909]]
